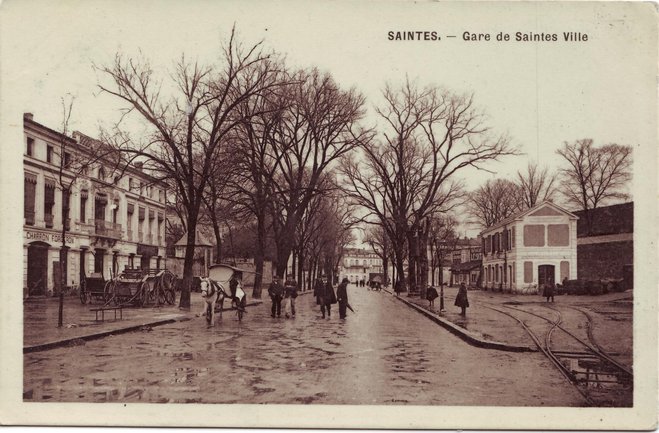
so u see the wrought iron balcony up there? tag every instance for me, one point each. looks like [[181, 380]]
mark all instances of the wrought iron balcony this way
[[107, 229]]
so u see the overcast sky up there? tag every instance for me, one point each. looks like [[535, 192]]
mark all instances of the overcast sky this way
[[540, 93]]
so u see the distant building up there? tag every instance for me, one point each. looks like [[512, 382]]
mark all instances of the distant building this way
[[359, 264], [466, 262], [608, 250], [114, 222], [530, 248]]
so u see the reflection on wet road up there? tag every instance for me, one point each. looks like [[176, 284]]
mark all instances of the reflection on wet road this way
[[383, 354]]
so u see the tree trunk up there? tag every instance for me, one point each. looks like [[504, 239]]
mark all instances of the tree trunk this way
[[218, 241], [423, 261], [188, 262], [259, 257], [300, 268]]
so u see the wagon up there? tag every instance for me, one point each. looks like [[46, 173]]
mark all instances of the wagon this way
[[94, 288], [222, 274], [137, 288]]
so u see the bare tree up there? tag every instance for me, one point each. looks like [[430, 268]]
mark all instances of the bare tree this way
[[378, 239], [494, 201], [535, 185], [430, 136], [188, 127], [319, 124], [443, 239], [595, 175]]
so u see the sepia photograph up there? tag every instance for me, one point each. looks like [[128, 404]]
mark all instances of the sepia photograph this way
[[347, 214]]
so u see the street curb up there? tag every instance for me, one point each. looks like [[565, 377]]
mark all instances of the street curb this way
[[462, 333], [98, 335]]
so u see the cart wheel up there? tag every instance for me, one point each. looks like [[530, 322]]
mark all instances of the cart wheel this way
[[108, 291], [143, 295], [170, 296]]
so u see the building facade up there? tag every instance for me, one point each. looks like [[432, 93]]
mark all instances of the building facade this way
[[466, 262], [534, 247], [116, 220], [359, 264]]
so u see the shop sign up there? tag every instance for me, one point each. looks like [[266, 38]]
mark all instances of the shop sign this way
[[53, 238]]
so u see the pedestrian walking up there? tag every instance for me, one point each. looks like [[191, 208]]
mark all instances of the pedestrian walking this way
[[398, 287], [342, 297], [548, 291], [290, 293], [276, 292], [461, 300], [326, 298], [431, 295]]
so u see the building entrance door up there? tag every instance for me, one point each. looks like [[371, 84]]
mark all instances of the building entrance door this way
[[37, 268], [546, 275]]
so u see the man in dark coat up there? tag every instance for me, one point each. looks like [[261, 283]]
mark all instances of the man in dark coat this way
[[276, 292], [342, 297], [431, 295], [461, 300], [290, 293]]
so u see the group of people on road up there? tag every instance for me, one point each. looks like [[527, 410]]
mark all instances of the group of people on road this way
[[323, 291]]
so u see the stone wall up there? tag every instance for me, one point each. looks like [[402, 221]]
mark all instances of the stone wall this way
[[604, 260]]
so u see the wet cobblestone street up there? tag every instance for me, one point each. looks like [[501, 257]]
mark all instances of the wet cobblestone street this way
[[384, 354]]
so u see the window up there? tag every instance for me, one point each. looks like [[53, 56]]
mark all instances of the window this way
[[66, 196], [30, 146], [49, 202], [29, 194], [512, 238], [558, 235], [67, 159], [49, 153], [534, 235], [101, 173], [83, 206], [130, 184], [528, 272]]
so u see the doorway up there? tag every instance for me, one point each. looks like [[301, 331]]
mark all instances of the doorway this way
[[37, 268], [99, 256], [546, 275]]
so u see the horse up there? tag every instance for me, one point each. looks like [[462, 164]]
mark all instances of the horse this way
[[214, 293]]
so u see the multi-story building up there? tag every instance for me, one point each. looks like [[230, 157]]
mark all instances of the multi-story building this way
[[116, 219], [359, 264], [531, 248], [466, 261]]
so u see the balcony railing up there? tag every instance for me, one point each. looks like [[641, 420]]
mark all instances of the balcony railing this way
[[48, 218], [29, 217], [107, 229]]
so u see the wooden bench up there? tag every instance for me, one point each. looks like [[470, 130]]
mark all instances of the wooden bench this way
[[103, 310]]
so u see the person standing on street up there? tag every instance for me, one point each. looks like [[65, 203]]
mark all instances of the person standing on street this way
[[290, 293], [431, 295], [548, 291], [461, 300], [329, 298], [276, 292], [342, 297]]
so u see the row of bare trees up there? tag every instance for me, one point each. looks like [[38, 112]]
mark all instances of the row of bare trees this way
[[589, 177], [247, 139], [407, 178], [284, 150]]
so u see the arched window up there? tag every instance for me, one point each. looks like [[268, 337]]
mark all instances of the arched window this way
[[101, 173]]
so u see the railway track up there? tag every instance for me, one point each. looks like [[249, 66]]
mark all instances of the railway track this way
[[599, 378]]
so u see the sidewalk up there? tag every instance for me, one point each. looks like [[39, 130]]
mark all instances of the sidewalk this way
[[40, 316], [484, 327]]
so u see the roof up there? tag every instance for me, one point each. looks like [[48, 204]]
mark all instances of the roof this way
[[466, 266], [607, 220], [522, 214], [200, 240]]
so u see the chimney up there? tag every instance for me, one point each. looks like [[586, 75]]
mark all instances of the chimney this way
[[28, 116]]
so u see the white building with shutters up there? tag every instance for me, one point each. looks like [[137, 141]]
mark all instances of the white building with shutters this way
[[116, 220], [531, 248]]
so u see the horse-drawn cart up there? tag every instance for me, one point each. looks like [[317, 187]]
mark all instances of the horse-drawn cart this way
[[137, 288], [94, 288]]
